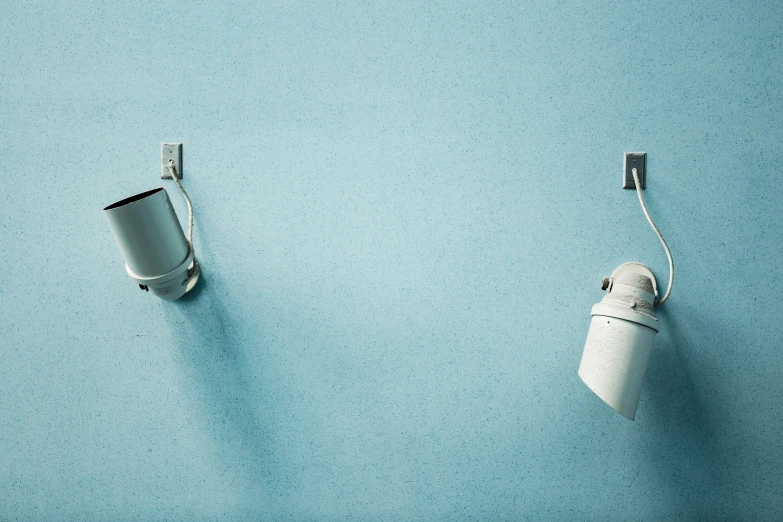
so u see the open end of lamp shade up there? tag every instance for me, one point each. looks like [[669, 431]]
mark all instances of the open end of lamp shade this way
[[132, 199]]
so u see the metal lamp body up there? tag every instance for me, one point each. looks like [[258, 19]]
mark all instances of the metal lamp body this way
[[620, 339], [158, 257]]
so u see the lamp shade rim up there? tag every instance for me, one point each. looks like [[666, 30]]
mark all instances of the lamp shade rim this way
[[133, 199], [631, 416]]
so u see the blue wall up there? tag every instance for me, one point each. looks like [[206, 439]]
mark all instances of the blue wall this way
[[404, 213]]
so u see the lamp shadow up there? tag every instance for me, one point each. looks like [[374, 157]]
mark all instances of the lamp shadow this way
[[215, 355], [682, 400]]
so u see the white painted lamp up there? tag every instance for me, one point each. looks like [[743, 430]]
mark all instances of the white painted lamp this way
[[623, 325], [158, 256]]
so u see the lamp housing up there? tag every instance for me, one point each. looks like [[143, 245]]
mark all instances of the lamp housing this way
[[158, 257], [620, 338]]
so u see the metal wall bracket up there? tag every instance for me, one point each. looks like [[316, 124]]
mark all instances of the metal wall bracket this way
[[633, 160], [173, 152]]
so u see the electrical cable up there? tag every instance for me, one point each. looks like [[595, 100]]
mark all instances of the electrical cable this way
[[173, 171], [657, 232]]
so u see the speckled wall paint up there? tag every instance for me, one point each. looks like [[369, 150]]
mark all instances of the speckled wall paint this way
[[404, 213]]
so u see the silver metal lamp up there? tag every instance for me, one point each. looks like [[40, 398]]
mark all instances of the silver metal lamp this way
[[158, 256]]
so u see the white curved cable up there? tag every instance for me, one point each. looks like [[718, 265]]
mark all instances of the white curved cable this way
[[658, 233], [173, 171]]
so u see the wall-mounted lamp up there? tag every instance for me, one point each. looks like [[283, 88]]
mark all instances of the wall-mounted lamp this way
[[623, 325], [158, 257]]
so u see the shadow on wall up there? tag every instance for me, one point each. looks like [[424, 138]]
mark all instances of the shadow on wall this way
[[684, 401], [214, 355]]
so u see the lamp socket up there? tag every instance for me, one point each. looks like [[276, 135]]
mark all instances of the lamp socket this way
[[170, 152]]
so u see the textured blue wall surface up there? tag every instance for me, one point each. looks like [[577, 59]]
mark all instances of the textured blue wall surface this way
[[404, 212]]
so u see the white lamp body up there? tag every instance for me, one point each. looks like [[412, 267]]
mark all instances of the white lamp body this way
[[158, 256], [620, 339]]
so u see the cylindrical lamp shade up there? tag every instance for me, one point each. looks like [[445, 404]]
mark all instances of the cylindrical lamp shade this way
[[148, 232], [620, 341]]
